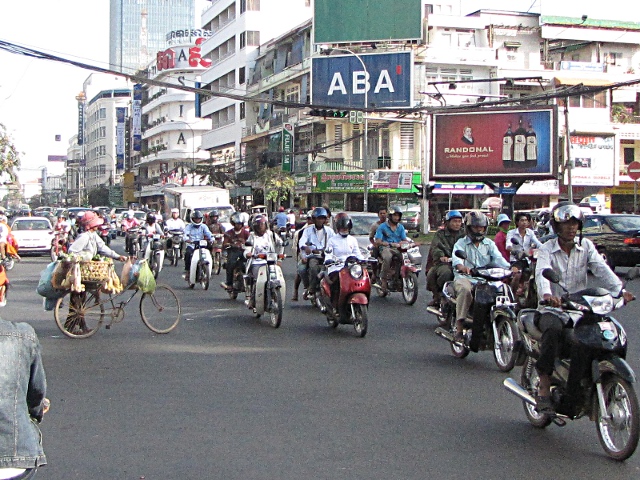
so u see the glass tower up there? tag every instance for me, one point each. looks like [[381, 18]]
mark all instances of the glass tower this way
[[138, 28]]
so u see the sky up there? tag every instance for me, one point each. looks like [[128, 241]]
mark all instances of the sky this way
[[37, 97]]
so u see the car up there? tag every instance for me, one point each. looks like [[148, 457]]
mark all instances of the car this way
[[411, 220], [616, 236], [33, 234]]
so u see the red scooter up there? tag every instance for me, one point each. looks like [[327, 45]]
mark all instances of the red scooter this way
[[351, 305]]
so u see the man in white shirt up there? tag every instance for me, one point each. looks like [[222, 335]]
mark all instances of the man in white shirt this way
[[312, 244], [261, 240], [526, 237]]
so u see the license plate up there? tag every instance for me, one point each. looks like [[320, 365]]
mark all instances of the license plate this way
[[502, 300]]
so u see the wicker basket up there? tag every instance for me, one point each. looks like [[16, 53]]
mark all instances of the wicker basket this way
[[95, 271]]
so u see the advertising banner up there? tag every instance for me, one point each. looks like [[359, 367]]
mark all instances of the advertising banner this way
[[341, 81], [136, 128], [80, 123], [495, 144], [287, 147], [593, 159], [120, 114], [380, 181], [387, 179]]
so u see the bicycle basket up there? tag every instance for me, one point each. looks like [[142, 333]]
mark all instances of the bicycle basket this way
[[95, 271]]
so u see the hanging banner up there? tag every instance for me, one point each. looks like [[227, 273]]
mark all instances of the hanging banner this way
[[80, 123], [593, 158], [136, 130], [120, 114], [287, 147]]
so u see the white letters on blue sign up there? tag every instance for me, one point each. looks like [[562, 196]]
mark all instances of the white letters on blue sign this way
[[361, 83]]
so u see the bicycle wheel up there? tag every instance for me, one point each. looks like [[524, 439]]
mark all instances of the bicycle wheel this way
[[83, 317], [160, 310]]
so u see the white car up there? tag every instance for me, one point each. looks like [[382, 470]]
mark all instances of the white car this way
[[33, 234]]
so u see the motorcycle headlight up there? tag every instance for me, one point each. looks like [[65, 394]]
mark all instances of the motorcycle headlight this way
[[601, 305], [356, 271]]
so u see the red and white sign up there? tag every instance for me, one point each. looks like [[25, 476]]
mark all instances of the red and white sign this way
[[185, 57], [634, 170]]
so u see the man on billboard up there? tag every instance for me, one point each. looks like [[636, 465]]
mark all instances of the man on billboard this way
[[467, 136]]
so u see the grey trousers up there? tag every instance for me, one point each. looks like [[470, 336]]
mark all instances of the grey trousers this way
[[464, 297]]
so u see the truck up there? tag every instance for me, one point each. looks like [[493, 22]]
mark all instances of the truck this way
[[203, 198]]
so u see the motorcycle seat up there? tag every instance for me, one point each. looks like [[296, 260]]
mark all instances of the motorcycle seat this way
[[529, 318]]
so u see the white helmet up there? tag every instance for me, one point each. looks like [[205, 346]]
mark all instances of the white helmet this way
[[175, 210]]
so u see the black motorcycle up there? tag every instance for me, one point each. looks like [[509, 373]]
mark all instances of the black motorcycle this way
[[600, 386]]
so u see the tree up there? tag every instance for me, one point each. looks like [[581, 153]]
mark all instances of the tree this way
[[217, 175], [99, 196], [278, 185], [9, 156]]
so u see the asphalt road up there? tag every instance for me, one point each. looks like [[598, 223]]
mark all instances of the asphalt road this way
[[225, 396]]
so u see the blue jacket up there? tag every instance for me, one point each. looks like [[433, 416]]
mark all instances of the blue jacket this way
[[22, 390]]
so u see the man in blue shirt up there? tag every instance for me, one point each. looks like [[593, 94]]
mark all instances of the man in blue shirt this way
[[193, 233], [281, 219], [480, 252], [388, 235]]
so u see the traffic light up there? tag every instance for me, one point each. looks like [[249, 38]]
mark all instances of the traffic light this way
[[316, 112], [420, 191]]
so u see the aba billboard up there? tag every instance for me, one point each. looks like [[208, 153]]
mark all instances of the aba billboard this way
[[341, 80], [498, 144], [349, 21]]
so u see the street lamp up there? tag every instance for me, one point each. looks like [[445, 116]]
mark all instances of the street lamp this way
[[193, 150], [365, 161]]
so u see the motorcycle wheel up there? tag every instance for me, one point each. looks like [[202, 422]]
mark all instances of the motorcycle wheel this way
[[410, 288], [155, 268], [175, 257], [503, 346], [459, 351], [446, 320], [333, 322], [9, 262], [618, 427], [530, 380], [275, 309], [217, 263], [54, 254], [233, 294], [204, 278], [360, 320]]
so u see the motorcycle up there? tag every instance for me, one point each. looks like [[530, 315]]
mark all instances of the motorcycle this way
[[405, 269], [526, 292], [604, 390], [200, 268], [133, 238], [174, 254], [59, 245], [351, 305], [291, 230], [154, 252], [270, 289], [237, 285], [217, 253], [105, 233], [315, 262], [284, 235], [494, 301]]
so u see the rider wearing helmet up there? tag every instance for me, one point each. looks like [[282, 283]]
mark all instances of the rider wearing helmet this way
[[388, 235], [151, 225], [571, 258], [441, 252], [480, 251], [280, 220], [215, 227], [261, 240], [234, 243], [312, 244], [297, 256], [193, 233], [175, 222], [341, 246]]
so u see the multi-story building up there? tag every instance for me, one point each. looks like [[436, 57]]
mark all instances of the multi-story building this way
[[138, 29], [171, 130], [239, 27], [74, 174]]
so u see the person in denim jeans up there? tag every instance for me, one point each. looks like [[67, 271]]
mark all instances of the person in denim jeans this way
[[23, 387]]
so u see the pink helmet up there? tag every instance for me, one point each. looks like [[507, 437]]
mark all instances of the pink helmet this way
[[91, 219]]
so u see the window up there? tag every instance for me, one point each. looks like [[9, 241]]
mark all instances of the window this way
[[243, 111], [428, 9], [337, 137], [406, 136], [249, 39], [629, 155], [181, 111], [251, 5], [292, 93], [613, 58], [357, 152], [103, 113], [242, 75]]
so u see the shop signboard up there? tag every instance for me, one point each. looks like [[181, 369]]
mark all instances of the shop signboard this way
[[495, 144], [302, 184], [287, 147], [593, 159], [380, 181]]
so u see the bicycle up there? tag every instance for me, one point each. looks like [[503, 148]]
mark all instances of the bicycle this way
[[59, 245], [160, 311]]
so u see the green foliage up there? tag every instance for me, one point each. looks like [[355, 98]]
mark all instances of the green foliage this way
[[99, 196], [9, 156], [278, 185]]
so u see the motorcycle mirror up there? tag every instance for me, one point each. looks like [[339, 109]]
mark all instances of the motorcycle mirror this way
[[370, 247], [550, 275], [515, 241], [461, 254], [328, 250]]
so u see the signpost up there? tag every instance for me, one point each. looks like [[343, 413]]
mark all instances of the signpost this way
[[634, 172], [287, 147]]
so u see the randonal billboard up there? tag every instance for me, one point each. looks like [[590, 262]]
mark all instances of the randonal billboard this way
[[495, 144], [348, 21], [340, 81]]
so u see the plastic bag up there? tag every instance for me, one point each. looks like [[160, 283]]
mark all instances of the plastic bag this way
[[146, 282], [126, 277], [45, 288]]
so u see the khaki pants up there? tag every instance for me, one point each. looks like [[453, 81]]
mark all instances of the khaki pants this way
[[464, 297], [387, 254]]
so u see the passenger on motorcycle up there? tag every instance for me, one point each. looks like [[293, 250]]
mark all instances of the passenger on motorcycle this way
[[570, 258], [382, 217], [261, 240], [215, 227], [441, 253], [234, 241], [174, 223], [313, 242], [525, 236], [298, 258], [388, 235], [62, 225], [128, 221], [193, 233], [504, 222], [151, 226], [341, 246], [480, 251], [291, 218]]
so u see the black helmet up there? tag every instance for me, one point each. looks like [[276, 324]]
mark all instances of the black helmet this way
[[196, 217], [343, 221], [565, 211], [214, 213], [257, 220], [319, 212], [151, 218], [236, 218], [394, 209], [72, 215], [476, 219]]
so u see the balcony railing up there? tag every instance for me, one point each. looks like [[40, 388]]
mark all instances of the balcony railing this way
[[373, 164]]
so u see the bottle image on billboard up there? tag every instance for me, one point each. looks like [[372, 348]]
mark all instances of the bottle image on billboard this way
[[531, 151], [519, 143], [507, 148]]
